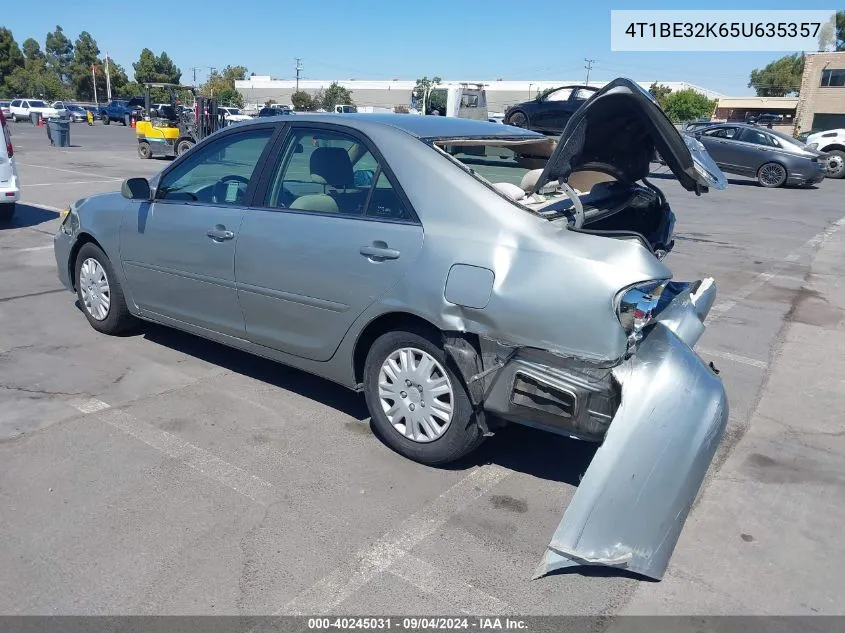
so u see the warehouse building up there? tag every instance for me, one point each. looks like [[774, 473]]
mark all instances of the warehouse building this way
[[259, 89], [821, 104]]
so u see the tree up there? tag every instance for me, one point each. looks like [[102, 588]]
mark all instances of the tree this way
[[32, 49], [222, 85], [832, 35], [780, 78], [425, 89], [59, 51], [85, 55], [687, 105], [156, 69], [302, 101], [334, 95], [660, 93], [10, 57]]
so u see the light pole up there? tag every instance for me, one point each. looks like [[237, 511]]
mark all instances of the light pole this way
[[529, 90]]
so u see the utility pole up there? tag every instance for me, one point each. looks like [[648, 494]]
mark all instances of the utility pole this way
[[298, 69], [589, 67], [194, 71]]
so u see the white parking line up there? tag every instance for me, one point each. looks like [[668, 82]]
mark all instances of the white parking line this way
[[43, 206], [229, 475], [329, 592], [57, 184], [34, 248], [71, 171], [435, 582], [736, 358], [815, 242]]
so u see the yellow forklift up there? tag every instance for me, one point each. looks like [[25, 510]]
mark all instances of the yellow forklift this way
[[166, 129]]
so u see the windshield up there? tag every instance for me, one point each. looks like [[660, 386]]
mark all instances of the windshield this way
[[37, 104]]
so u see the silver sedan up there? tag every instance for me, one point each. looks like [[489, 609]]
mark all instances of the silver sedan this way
[[461, 274]]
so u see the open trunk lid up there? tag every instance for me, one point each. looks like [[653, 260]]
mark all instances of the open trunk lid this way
[[618, 130]]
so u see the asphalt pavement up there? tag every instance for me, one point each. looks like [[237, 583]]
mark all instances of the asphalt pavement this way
[[159, 473]]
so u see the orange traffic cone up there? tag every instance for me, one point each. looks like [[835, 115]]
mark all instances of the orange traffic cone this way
[[40, 121], [132, 121]]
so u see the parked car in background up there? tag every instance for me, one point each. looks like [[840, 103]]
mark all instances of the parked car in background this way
[[367, 249], [233, 115], [10, 191], [270, 111], [802, 136], [773, 158], [76, 112], [61, 109], [21, 109], [5, 109], [120, 110], [549, 111], [832, 143]]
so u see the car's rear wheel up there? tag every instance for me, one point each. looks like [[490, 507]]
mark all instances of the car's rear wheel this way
[[100, 293], [144, 150], [771, 175], [419, 407], [518, 119], [835, 164]]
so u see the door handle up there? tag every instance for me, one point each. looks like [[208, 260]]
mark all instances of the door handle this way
[[219, 233], [378, 252]]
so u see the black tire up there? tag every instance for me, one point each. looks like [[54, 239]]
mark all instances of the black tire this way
[[771, 175], [518, 119], [840, 172], [7, 212], [144, 150], [106, 120], [461, 437], [183, 146], [118, 318]]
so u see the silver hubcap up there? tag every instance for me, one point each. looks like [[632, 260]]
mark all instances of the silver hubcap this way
[[771, 174], [94, 287], [416, 394], [835, 164]]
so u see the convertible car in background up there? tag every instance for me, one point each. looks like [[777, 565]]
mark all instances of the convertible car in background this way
[[550, 110], [461, 274]]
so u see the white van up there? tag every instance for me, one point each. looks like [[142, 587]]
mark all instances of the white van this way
[[10, 191], [22, 108]]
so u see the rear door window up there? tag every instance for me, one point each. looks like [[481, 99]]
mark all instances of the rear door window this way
[[759, 138]]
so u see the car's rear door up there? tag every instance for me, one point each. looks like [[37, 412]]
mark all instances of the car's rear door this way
[[178, 251], [334, 233]]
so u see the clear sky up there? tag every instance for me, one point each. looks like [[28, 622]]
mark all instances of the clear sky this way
[[385, 39]]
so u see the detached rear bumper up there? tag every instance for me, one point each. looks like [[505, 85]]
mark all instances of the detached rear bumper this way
[[633, 500]]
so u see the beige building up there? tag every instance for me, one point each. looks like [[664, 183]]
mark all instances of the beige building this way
[[821, 105]]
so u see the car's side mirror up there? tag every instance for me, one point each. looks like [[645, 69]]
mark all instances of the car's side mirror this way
[[136, 189], [363, 177]]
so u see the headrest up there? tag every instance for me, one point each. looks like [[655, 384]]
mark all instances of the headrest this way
[[331, 166]]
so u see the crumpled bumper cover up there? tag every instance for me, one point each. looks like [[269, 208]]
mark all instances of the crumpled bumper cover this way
[[633, 500]]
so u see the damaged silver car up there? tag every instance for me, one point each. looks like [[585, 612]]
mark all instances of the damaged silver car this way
[[461, 274]]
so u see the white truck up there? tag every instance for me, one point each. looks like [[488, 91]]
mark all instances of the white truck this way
[[832, 143]]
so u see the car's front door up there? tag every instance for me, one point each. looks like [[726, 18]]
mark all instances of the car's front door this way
[[335, 233], [178, 251], [721, 144], [552, 111]]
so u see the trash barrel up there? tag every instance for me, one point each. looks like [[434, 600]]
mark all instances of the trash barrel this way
[[126, 120], [33, 117], [59, 132]]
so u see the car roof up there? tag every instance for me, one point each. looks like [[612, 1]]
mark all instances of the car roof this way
[[423, 127]]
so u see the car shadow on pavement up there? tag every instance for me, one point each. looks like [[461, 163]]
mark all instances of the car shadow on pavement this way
[[515, 447], [29, 215], [271, 372]]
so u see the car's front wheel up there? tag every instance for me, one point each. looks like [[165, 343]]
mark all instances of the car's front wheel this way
[[419, 407], [100, 293], [106, 120], [771, 175]]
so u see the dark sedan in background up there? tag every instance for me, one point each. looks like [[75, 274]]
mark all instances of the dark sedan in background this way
[[774, 159], [549, 111]]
